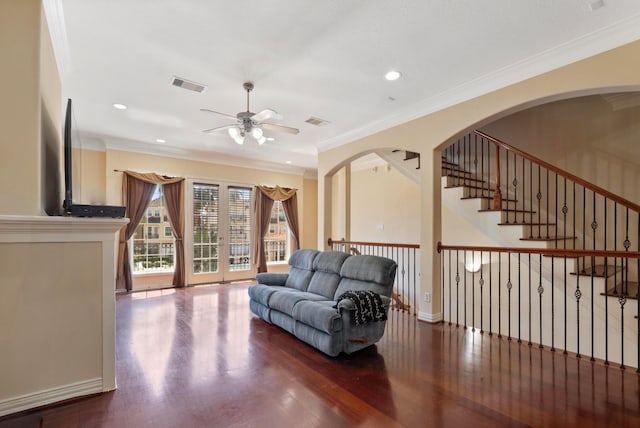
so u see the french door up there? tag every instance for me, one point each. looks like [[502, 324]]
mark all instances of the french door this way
[[218, 247]]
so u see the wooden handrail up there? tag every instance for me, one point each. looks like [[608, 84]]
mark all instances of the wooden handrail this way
[[330, 242], [543, 251], [562, 173]]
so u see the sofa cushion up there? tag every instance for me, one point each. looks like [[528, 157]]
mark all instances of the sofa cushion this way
[[367, 273], [261, 293], [327, 267], [301, 270], [319, 315], [285, 300]]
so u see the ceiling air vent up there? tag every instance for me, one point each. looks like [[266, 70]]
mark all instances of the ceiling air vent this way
[[317, 122], [187, 84]]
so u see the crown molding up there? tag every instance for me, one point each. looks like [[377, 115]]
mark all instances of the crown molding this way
[[200, 156], [602, 40], [54, 14]]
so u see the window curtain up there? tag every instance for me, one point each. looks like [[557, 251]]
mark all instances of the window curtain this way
[[137, 189], [262, 213]]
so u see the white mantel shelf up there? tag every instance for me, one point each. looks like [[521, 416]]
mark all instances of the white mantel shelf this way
[[43, 230], [13, 226]]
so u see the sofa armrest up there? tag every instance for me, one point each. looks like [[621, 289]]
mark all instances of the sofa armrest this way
[[272, 278]]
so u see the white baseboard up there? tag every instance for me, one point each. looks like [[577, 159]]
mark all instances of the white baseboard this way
[[432, 318], [48, 396]]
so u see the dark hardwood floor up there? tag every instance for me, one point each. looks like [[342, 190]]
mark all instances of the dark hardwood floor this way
[[196, 357]]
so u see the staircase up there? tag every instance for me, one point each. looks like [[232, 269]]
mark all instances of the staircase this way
[[535, 200], [562, 244]]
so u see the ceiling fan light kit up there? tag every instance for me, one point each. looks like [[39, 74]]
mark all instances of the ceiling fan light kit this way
[[248, 123]]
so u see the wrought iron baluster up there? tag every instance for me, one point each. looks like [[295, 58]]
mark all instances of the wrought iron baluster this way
[[481, 287], [593, 260], [450, 270], [531, 200], [615, 248], [519, 302], [506, 155], [515, 189], [627, 244], [490, 295], [547, 197], [622, 299], [539, 203], [473, 291], [578, 295], [540, 291], [457, 289], [529, 301], [509, 286], [499, 295], [606, 299], [584, 226]]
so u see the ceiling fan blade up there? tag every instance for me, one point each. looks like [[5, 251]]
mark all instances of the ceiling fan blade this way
[[265, 114], [219, 128], [279, 128], [217, 112]]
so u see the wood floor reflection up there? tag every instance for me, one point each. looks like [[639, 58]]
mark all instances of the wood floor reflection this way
[[196, 357]]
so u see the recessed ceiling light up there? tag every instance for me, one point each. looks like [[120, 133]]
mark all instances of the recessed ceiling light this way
[[120, 106], [393, 75], [160, 140], [271, 139], [288, 162]]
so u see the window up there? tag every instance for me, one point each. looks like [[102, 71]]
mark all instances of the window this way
[[205, 227], [168, 231], [151, 251], [239, 228], [276, 240]]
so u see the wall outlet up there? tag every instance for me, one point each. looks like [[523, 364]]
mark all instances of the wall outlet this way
[[427, 297]]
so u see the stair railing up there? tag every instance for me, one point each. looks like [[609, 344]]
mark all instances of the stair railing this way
[[407, 275], [528, 294], [555, 206]]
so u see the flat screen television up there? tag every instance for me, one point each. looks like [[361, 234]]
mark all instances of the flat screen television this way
[[68, 206]]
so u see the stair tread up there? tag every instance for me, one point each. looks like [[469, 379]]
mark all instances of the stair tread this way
[[488, 198], [598, 271], [551, 238], [507, 211], [526, 224], [631, 291], [454, 167], [477, 180], [468, 186]]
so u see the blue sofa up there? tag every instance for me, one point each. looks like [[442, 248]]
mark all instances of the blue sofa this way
[[304, 300]]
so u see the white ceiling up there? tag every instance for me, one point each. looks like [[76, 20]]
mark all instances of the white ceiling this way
[[324, 59]]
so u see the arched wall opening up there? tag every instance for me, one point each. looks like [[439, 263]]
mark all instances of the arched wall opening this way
[[375, 197], [610, 71]]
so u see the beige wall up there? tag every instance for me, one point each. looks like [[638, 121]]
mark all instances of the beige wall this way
[[612, 70], [121, 161], [67, 275], [20, 169], [585, 136], [385, 206], [309, 234], [89, 177]]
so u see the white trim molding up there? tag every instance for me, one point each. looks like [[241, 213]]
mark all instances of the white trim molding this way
[[37, 230], [431, 318], [48, 396]]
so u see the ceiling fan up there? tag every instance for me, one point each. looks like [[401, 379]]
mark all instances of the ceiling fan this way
[[248, 123]]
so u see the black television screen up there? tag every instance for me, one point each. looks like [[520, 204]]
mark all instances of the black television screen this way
[[68, 207], [68, 196]]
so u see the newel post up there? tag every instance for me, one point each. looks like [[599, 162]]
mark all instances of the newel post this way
[[497, 195]]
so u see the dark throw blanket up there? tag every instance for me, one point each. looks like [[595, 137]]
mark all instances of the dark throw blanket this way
[[368, 304]]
